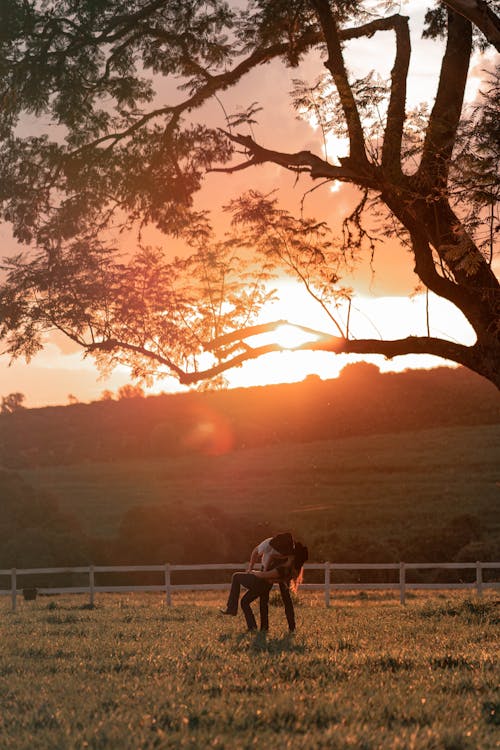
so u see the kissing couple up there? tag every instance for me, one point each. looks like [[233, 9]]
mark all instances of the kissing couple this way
[[281, 561]]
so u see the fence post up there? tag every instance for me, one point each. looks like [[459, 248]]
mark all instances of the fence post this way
[[91, 585], [327, 584], [168, 593], [13, 588], [402, 583], [479, 578]]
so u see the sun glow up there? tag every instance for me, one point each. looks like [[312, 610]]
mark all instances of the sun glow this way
[[376, 317], [291, 337]]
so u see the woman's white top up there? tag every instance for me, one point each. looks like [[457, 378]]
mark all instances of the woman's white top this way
[[267, 551]]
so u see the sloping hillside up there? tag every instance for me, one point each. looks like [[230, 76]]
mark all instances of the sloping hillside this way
[[360, 402], [416, 495]]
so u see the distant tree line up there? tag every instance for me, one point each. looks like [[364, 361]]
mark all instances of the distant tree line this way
[[11, 403], [34, 532]]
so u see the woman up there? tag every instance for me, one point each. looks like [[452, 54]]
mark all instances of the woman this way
[[259, 583]]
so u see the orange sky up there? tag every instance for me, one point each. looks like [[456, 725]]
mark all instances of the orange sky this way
[[383, 304]]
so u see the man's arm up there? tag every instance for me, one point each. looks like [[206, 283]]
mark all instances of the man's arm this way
[[254, 557]]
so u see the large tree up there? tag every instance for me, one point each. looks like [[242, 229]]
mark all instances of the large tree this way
[[113, 146]]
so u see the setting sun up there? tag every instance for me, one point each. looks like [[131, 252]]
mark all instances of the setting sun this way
[[291, 337]]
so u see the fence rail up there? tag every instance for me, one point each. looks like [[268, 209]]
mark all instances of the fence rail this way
[[167, 587]]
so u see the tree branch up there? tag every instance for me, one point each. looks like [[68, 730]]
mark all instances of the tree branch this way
[[322, 341], [445, 116], [302, 161], [246, 333], [110, 345], [335, 64], [481, 15], [391, 152]]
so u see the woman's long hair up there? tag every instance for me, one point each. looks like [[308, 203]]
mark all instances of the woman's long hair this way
[[300, 555]]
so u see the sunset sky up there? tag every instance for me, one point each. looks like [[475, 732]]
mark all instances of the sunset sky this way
[[383, 304]]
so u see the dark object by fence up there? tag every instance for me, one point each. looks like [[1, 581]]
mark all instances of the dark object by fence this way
[[30, 594]]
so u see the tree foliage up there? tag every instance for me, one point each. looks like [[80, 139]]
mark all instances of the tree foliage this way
[[11, 403], [34, 531], [120, 141]]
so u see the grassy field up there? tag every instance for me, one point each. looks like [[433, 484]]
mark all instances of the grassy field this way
[[378, 486], [366, 674]]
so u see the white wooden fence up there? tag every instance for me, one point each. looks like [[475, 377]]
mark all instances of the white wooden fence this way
[[167, 587]]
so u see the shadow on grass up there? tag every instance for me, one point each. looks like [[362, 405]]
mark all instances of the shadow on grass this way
[[263, 642], [259, 641]]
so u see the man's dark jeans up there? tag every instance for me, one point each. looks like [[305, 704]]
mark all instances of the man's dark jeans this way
[[258, 588]]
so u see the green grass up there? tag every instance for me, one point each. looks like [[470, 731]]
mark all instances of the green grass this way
[[377, 485], [366, 674]]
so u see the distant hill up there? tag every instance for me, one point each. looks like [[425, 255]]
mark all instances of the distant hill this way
[[362, 401]]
